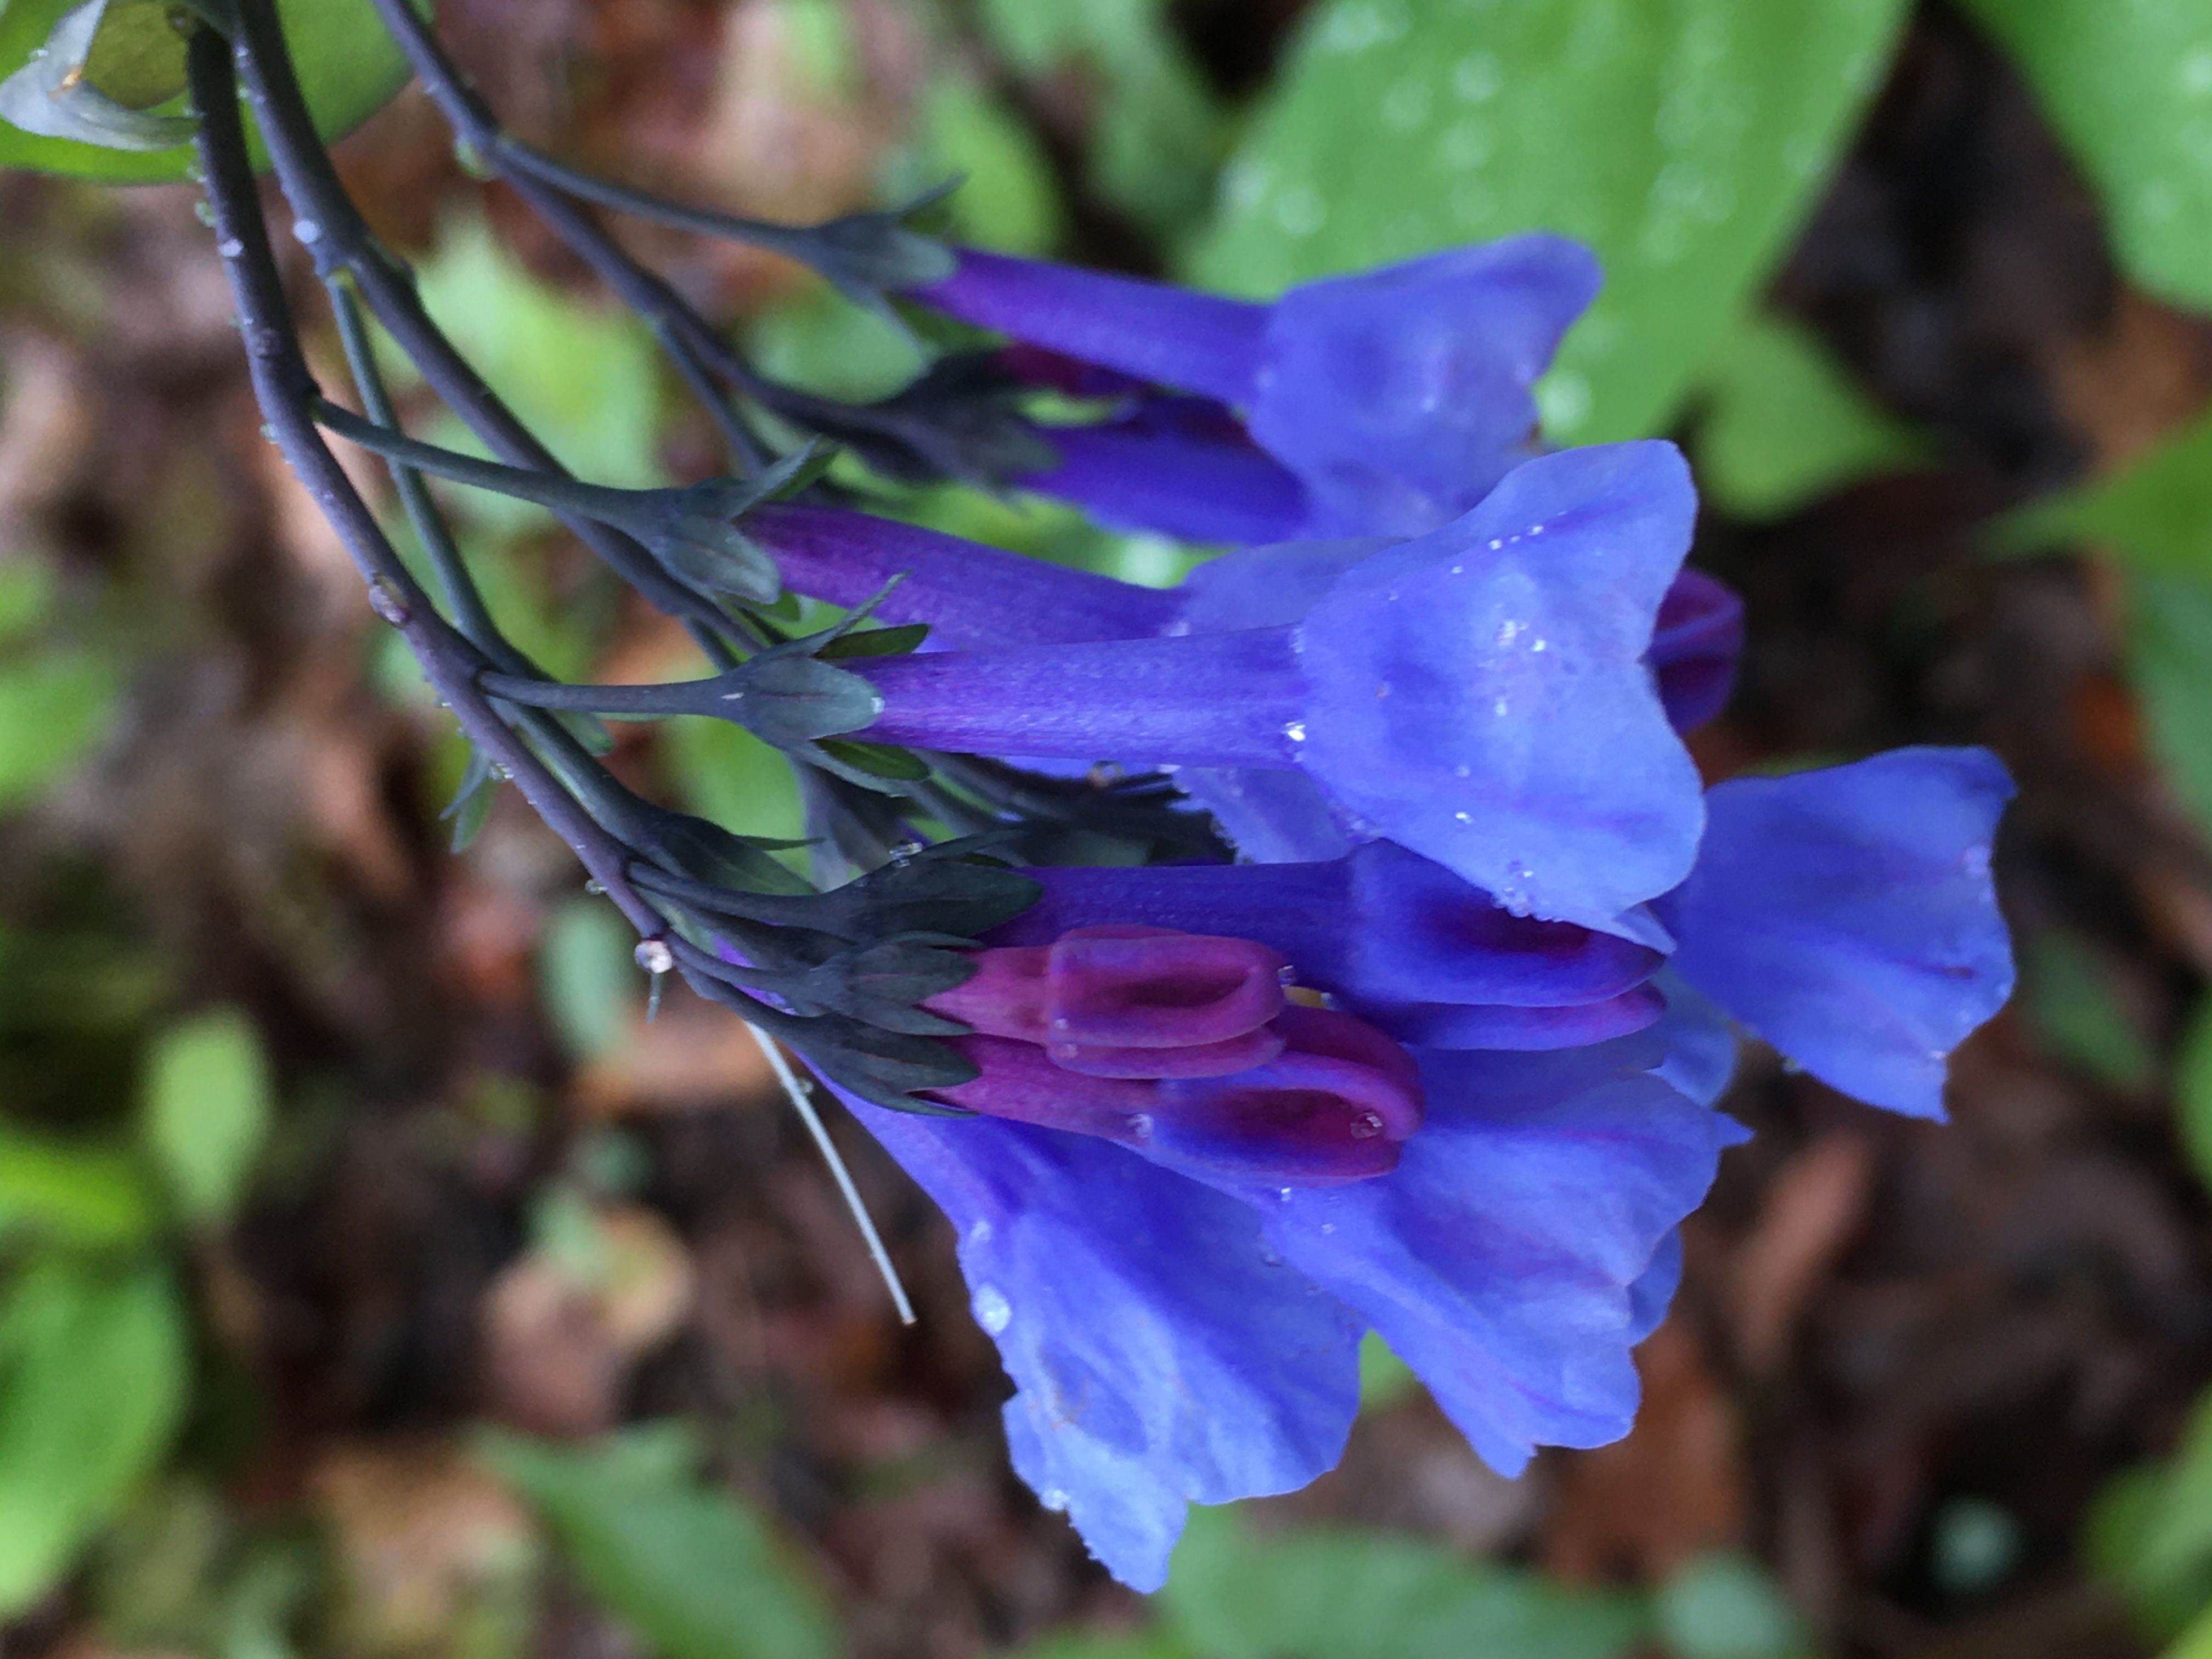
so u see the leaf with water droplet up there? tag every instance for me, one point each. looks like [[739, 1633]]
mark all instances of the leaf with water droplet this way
[[1683, 141]]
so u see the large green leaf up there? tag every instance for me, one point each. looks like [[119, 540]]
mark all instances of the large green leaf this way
[[348, 65], [92, 1368], [2128, 85], [1681, 139], [1331, 1595], [695, 1574]]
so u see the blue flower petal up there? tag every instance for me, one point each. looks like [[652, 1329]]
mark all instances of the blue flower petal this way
[[1517, 1252], [1162, 1356], [1479, 695], [1848, 917], [1399, 396]]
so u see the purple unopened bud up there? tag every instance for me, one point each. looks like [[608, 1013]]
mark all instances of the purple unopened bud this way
[[1336, 1104], [1128, 1001], [1695, 643]]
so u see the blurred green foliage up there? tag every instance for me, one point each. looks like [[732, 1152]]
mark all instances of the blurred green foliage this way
[[691, 1570], [1782, 425]]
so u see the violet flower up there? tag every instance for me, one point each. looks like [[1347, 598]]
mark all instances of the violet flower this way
[[1478, 695], [1389, 401], [1176, 1268]]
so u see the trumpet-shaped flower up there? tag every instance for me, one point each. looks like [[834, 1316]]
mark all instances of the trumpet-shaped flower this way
[[1386, 402], [1479, 694]]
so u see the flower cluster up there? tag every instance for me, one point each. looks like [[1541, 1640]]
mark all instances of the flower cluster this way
[[1384, 979], [1437, 1056]]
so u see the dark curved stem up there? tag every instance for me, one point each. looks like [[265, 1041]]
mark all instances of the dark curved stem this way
[[341, 241], [285, 389]]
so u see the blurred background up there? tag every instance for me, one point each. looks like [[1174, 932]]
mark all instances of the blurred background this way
[[375, 1280]]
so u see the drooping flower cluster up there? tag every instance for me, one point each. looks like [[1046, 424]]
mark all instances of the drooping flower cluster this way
[[1438, 1056], [1403, 1007]]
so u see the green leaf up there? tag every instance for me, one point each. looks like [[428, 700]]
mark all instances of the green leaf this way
[[2170, 660], [880, 759], [1150, 1644], [589, 976], [1340, 1594], [349, 68], [87, 1195], [1783, 427], [209, 1104], [2129, 86], [26, 596], [725, 774], [1726, 1605], [1156, 132], [53, 708], [696, 1574], [92, 1370], [875, 642], [2070, 1002], [2192, 1091], [1683, 140], [583, 377], [2157, 513], [1385, 1379], [1007, 199], [2120, 1522]]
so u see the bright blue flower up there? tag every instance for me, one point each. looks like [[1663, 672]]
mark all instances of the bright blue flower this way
[[1479, 694], [1849, 917], [1176, 1339], [1392, 399]]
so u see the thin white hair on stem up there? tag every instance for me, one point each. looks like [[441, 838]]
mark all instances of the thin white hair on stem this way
[[796, 1090]]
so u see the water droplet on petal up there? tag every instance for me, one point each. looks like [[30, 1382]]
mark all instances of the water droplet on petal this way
[[992, 1309], [1365, 1126], [979, 1235], [1295, 730], [1053, 1498], [1140, 1126]]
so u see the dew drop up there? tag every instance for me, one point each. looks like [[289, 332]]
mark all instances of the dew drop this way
[[230, 247], [1055, 1499], [1282, 1194], [1478, 76], [980, 1234], [992, 1309], [596, 888], [1295, 730], [1464, 818], [654, 957], [308, 231], [1300, 211], [204, 212], [1140, 1126], [1365, 1126], [1463, 770], [387, 605]]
